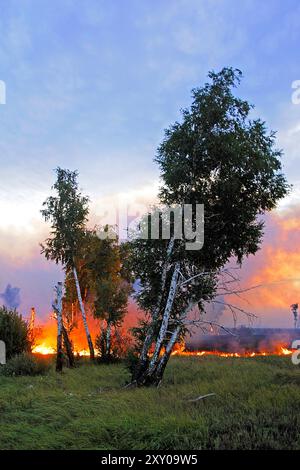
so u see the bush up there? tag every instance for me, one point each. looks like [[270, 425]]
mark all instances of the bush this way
[[14, 331], [119, 345], [25, 364], [131, 360]]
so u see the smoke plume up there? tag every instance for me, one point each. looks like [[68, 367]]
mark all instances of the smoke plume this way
[[11, 297]]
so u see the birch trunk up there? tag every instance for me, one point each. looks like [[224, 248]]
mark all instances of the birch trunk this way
[[149, 336], [82, 309], [154, 375], [166, 356], [108, 339], [68, 346], [158, 373], [58, 309], [165, 320]]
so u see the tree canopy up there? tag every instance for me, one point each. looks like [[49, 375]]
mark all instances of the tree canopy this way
[[67, 213]]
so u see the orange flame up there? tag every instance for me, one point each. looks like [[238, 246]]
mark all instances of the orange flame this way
[[46, 335], [281, 351]]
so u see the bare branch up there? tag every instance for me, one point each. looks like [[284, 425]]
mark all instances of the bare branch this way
[[227, 304], [211, 323], [201, 397]]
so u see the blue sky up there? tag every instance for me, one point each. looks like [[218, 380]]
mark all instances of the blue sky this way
[[92, 84]]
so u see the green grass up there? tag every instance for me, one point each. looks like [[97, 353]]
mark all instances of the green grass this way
[[257, 406]]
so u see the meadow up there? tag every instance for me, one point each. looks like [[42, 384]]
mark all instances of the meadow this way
[[256, 406]]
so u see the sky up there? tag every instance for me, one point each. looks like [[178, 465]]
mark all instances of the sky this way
[[92, 85]]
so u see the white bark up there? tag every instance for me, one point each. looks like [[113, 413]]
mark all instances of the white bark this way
[[82, 309], [166, 317], [163, 360], [148, 338], [172, 341], [108, 337], [57, 306], [2, 353], [169, 348]]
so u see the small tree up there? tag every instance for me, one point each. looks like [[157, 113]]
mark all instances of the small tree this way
[[105, 285], [67, 212], [111, 307], [112, 289], [15, 332], [294, 308]]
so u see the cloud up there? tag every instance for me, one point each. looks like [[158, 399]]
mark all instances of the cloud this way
[[274, 270], [22, 230]]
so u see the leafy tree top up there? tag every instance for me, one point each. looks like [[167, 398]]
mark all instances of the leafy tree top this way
[[104, 280], [217, 156], [220, 157], [67, 213]]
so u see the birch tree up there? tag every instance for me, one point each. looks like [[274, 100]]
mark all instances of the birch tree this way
[[220, 157], [57, 307], [67, 213]]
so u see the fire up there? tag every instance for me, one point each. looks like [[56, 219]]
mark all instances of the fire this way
[[282, 351], [46, 334], [286, 351], [46, 350], [82, 352], [43, 349], [46, 338]]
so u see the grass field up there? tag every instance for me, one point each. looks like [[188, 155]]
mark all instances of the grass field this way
[[257, 406]]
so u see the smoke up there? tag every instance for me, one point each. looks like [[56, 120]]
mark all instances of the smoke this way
[[11, 297], [214, 311], [275, 268]]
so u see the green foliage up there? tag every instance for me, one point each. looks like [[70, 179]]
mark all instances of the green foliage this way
[[105, 286], [111, 284], [217, 155], [220, 157], [256, 406], [131, 360], [25, 364], [14, 332], [118, 348], [67, 213], [103, 279]]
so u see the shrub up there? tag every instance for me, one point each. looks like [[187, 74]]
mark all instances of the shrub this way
[[119, 345], [14, 331], [131, 360], [25, 364]]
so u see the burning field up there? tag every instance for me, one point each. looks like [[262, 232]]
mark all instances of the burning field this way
[[281, 351], [245, 342]]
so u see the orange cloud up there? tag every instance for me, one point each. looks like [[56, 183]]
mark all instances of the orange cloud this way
[[276, 269]]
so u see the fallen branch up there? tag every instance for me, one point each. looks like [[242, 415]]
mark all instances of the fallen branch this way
[[201, 397]]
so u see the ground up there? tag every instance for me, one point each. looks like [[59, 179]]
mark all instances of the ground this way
[[256, 406]]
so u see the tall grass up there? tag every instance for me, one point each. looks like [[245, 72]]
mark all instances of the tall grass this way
[[256, 406]]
